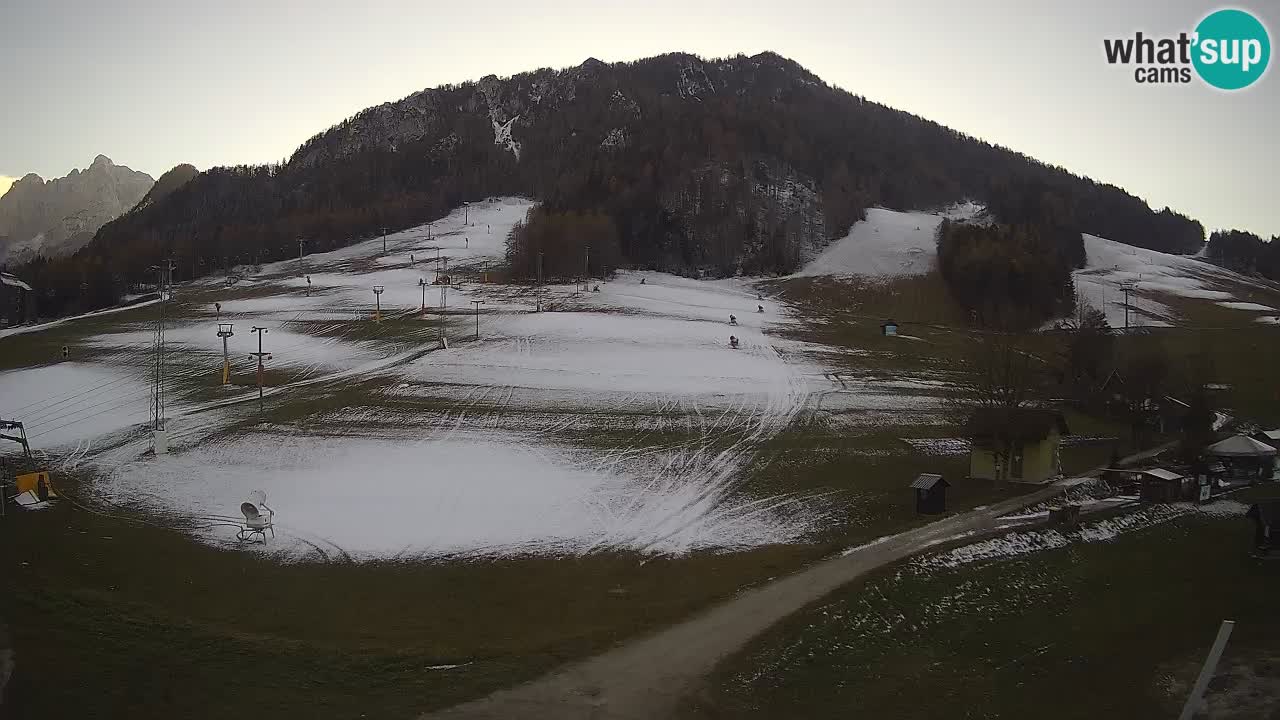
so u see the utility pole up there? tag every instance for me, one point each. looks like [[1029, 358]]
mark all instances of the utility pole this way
[[1126, 289], [477, 303], [539, 281], [377, 298], [437, 266], [224, 332], [1206, 671], [466, 213], [422, 283], [260, 332], [586, 270], [384, 241], [308, 286], [444, 301], [300, 242]]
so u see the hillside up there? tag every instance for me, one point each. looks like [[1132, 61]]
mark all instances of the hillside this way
[[60, 216], [175, 178], [739, 165]]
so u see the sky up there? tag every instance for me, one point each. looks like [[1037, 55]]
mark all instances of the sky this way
[[154, 84]]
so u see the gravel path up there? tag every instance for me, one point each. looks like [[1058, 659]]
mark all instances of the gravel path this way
[[649, 677]]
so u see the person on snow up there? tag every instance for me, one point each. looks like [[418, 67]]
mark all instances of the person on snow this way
[[759, 308], [641, 281], [733, 319], [596, 289], [733, 342]]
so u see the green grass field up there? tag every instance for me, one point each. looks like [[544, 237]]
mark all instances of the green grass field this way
[[1108, 629]]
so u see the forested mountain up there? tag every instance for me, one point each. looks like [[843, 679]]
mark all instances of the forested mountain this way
[[744, 164], [175, 178], [57, 217]]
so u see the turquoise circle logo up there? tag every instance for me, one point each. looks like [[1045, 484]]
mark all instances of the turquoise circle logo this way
[[1232, 49]]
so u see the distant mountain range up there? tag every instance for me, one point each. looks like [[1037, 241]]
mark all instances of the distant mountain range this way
[[58, 217]]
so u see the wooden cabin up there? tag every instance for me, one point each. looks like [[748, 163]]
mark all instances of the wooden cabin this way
[[889, 327]]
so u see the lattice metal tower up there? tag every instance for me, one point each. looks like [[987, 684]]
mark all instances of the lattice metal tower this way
[[164, 275]]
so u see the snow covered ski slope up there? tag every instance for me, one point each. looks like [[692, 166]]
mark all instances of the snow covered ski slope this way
[[623, 419]]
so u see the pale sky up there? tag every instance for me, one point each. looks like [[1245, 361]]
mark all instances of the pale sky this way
[[154, 84]]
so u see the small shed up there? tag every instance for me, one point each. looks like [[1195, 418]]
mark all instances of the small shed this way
[[1161, 485], [931, 494], [889, 327]]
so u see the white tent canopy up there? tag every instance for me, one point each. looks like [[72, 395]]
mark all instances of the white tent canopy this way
[[1240, 446]]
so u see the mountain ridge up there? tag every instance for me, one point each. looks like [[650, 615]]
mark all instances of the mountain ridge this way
[[721, 166], [59, 216]]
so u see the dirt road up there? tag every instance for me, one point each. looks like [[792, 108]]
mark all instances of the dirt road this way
[[649, 677]]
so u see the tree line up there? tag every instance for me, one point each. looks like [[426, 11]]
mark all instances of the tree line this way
[[1246, 252], [1010, 276]]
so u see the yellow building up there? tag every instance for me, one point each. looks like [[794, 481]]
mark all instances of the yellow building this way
[[1018, 444]]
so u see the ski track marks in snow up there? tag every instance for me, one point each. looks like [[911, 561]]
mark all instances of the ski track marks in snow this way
[[490, 471]]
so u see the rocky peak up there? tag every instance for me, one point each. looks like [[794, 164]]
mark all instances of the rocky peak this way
[[59, 216]]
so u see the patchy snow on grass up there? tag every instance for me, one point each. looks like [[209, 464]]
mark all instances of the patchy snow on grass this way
[[1112, 265], [945, 447], [477, 232], [470, 494], [1030, 541], [1247, 306], [62, 403], [887, 244], [23, 329]]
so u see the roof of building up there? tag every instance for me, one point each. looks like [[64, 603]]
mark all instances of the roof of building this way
[[7, 279], [1271, 434], [1240, 446], [1013, 424], [1162, 474], [927, 481], [889, 322]]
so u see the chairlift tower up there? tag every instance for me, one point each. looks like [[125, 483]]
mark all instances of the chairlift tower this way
[[224, 332], [477, 303], [444, 302], [260, 331], [377, 299]]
